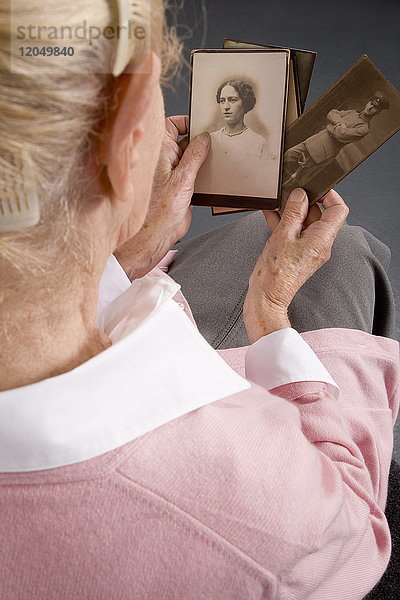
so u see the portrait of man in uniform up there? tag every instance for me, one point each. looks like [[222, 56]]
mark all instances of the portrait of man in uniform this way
[[304, 160]]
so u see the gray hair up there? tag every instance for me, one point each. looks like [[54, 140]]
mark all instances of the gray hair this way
[[53, 109]]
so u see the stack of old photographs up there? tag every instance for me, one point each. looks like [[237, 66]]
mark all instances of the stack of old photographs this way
[[251, 98]]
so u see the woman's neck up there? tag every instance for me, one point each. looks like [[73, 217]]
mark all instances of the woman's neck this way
[[41, 337], [235, 128]]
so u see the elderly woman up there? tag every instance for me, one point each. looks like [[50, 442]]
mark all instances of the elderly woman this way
[[135, 461]]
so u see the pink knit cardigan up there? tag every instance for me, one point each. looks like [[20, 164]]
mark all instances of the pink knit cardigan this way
[[258, 495]]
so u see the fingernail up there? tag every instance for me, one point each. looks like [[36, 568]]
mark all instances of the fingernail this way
[[297, 195], [204, 138]]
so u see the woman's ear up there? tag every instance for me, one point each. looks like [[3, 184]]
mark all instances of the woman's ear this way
[[118, 150]]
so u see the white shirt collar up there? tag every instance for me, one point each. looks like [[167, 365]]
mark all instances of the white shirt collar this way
[[158, 368]]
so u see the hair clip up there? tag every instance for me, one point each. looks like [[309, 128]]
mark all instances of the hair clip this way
[[19, 202], [125, 42]]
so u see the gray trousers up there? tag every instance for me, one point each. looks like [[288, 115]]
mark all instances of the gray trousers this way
[[351, 290]]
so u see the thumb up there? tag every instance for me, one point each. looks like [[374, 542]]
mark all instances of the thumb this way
[[295, 213], [194, 156]]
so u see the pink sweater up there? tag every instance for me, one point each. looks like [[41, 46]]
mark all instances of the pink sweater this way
[[255, 496]]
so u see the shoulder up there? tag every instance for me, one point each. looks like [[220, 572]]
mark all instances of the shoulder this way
[[216, 134], [255, 136], [255, 140]]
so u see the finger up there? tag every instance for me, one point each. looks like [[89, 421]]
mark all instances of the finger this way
[[295, 213], [335, 210], [176, 126], [272, 218], [314, 214], [320, 201], [194, 156]]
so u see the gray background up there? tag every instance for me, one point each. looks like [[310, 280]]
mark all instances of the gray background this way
[[340, 32]]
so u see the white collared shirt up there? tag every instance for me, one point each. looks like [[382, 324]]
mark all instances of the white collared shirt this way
[[158, 368]]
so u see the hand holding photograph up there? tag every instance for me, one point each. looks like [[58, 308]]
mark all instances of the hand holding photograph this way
[[240, 97]]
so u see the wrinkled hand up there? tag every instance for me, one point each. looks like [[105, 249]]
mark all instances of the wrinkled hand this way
[[169, 214], [300, 243]]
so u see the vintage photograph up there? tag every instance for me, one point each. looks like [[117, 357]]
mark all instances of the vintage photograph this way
[[349, 122], [240, 97], [300, 71]]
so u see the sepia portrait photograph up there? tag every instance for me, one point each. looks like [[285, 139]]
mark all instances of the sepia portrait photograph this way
[[239, 97], [349, 122]]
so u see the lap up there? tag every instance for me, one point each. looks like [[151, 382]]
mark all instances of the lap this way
[[351, 290]]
